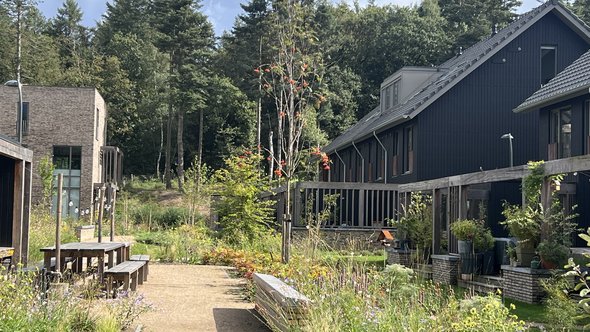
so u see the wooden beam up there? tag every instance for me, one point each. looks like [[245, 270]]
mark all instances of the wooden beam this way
[[26, 212], [17, 210]]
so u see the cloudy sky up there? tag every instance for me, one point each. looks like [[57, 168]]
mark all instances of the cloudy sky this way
[[220, 12]]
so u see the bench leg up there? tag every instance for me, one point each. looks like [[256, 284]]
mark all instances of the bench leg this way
[[140, 275], [126, 282], [120, 255], [134, 281], [47, 260], [101, 267], [109, 287], [79, 265], [111, 260]]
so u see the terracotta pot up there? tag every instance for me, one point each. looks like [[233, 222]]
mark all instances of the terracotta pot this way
[[548, 265]]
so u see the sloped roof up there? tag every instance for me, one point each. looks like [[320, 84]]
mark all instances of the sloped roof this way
[[452, 72], [572, 81]]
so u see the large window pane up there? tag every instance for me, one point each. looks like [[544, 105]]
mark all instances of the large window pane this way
[[548, 63]]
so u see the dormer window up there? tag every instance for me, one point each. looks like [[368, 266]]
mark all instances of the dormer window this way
[[390, 95]]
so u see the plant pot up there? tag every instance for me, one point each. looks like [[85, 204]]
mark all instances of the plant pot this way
[[465, 247], [525, 255], [548, 264], [489, 262], [513, 262]]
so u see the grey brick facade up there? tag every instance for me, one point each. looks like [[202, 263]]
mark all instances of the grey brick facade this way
[[524, 284], [59, 116]]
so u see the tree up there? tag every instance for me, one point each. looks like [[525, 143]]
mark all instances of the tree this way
[[290, 79], [70, 34], [582, 9], [187, 37]]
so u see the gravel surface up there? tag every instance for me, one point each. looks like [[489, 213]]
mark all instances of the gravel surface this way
[[197, 298]]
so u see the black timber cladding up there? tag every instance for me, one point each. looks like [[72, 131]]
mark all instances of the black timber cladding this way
[[6, 200], [460, 131]]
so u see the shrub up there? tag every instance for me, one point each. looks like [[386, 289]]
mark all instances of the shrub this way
[[243, 216], [561, 310], [465, 230]]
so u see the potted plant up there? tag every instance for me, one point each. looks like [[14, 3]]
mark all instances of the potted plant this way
[[484, 244], [511, 253], [475, 246], [465, 231], [525, 225]]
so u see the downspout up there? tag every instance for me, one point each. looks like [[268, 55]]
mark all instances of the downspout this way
[[363, 162], [343, 164], [385, 153]]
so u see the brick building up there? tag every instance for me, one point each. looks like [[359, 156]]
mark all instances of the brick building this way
[[66, 124]]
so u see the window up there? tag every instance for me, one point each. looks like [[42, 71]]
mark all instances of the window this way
[[394, 153], [390, 95], [561, 132], [408, 150], [67, 160], [97, 121], [548, 63], [25, 118]]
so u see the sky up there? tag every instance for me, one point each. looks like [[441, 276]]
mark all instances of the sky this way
[[221, 13]]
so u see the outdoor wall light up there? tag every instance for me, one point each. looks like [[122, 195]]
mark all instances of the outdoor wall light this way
[[510, 138]]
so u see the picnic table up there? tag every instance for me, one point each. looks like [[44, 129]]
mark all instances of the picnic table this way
[[6, 254], [88, 250]]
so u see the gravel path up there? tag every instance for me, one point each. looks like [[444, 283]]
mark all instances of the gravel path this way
[[196, 298]]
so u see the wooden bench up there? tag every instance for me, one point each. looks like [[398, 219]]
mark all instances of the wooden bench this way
[[142, 258], [283, 307], [128, 272]]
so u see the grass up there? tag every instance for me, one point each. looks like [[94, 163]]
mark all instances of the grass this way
[[528, 312]]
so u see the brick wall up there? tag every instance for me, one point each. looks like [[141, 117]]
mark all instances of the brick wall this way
[[445, 269], [59, 116], [401, 257], [523, 284]]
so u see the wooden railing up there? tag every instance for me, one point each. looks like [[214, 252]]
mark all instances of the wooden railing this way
[[358, 205], [111, 160]]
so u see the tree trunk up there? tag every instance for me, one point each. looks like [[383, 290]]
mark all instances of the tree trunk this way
[[200, 150], [180, 150], [271, 162], [160, 150], [259, 108], [167, 169]]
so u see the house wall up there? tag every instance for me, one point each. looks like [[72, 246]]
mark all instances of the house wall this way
[[580, 129], [461, 130], [59, 116]]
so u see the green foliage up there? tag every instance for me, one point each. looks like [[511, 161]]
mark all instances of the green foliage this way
[[465, 230], [561, 310], [45, 169], [156, 216], [243, 216], [535, 223], [416, 222], [42, 232], [582, 282]]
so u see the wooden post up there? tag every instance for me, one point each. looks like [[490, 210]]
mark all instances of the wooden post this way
[[112, 212], [18, 204], [435, 221], [100, 211], [60, 179]]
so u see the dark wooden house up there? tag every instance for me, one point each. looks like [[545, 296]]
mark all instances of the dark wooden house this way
[[15, 200], [562, 107], [448, 120]]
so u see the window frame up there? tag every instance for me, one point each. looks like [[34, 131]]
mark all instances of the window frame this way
[[541, 67], [556, 132]]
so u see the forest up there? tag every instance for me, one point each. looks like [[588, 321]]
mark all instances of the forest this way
[[179, 95]]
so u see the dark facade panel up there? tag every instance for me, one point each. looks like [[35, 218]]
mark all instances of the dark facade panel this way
[[460, 132], [6, 200]]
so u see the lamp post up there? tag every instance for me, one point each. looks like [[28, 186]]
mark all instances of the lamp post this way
[[19, 115], [510, 138]]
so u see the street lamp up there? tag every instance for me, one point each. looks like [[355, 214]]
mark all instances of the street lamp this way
[[510, 138], [19, 116]]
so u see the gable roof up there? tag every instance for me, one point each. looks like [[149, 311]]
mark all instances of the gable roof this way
[[452, 72], [573, 81]]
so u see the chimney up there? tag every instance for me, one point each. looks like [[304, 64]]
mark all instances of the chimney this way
[[495, 29]]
